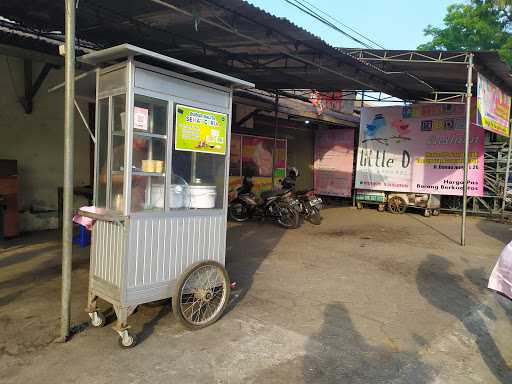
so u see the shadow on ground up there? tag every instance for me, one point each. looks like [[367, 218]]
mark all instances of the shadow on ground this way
[[340, 354], [496, 230], [248, 245], [445, 291]]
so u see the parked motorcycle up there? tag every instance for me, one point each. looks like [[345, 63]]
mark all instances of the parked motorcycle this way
[[280, 206], [310, 204]]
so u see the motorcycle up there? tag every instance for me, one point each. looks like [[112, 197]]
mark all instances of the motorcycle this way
[[310, 204], [280, 206]]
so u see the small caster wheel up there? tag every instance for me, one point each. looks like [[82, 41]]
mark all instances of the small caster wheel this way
[[380, 208], [97, 319], [427, 213], [359, 205], [127, 341], [435, 212]]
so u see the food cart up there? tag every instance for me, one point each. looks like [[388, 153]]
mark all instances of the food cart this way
[[398, 202], [160, 191]]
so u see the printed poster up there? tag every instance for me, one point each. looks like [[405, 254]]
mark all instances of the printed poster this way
[[257, 157], [418, 148], [493, 107], [199, 130], [252, 156], [140, 118], [334, 162]]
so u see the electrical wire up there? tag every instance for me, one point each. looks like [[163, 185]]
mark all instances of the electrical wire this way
[[307, 10], [342, 24]]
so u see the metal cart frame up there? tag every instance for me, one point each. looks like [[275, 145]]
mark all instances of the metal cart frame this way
[[139, 257], [430, 207]]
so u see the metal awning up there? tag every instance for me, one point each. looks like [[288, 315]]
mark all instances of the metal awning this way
[[232, 37], [237, 39], [430, 74]]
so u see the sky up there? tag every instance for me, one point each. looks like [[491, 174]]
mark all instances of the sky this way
[[394, 24]]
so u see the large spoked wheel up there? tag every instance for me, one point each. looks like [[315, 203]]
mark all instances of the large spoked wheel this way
[[202, 294], [238, 211], [396, 204], [288, 217]]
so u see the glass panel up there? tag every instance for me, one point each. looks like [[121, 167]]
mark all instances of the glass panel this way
[[119, 103], [203, 177], [149, 153], [113, 80], [117, 156], [117, 153], [150, 115], [147, 193], [101, 198]]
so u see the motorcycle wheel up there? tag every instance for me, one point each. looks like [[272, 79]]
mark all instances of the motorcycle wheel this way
[[315, 217], [288, 217], [238, 211]]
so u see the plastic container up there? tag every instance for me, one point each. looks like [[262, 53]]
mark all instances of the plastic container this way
[[177, 196], [83, 239], [202, 196], [157, 196], [147, 166]]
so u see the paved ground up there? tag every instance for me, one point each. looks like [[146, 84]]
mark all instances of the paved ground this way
[[366, 297]]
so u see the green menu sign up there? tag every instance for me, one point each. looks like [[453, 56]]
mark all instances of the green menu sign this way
[[199, 130]]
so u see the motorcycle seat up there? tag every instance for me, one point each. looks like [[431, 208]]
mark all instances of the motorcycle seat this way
[[269, 194]]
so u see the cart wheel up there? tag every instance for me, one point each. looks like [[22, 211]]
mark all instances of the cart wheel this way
[[435, 212], [359, 205], [396, 204], [380, 208], [97, 319], [127, 341], [427, 213], [202, 294]]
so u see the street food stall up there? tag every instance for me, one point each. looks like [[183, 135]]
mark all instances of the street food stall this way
[[160, 193]]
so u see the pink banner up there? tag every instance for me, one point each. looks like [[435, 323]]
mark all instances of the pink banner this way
[[334, 162], [418, 148]]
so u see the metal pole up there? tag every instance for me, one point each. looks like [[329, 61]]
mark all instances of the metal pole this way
[[469, 85], [274, 152], [69, 120], [357, 130], [507, 173]]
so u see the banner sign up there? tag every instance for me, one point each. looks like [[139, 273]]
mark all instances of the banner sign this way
[[493, 107], [334, 162], [418, 148], [199, 130], [332, 101]]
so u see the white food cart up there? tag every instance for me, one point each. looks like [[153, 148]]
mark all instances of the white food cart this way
[[160, 193]]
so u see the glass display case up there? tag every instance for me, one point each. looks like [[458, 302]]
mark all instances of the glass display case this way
[[170, 156]]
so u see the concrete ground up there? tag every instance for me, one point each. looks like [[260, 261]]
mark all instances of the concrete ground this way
[[366, 297]]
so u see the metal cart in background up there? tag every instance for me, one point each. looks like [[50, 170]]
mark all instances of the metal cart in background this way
[[161, 183], [399, 202]]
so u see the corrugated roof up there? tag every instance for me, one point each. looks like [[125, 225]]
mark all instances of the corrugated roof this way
[[241, 40]]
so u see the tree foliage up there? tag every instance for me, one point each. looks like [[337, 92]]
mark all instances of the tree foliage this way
[[474, 25]]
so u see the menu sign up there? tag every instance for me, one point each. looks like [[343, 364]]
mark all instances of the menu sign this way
[[199, 130]]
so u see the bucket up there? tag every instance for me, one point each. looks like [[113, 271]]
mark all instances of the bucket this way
[[177, 194], [202, 196]]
